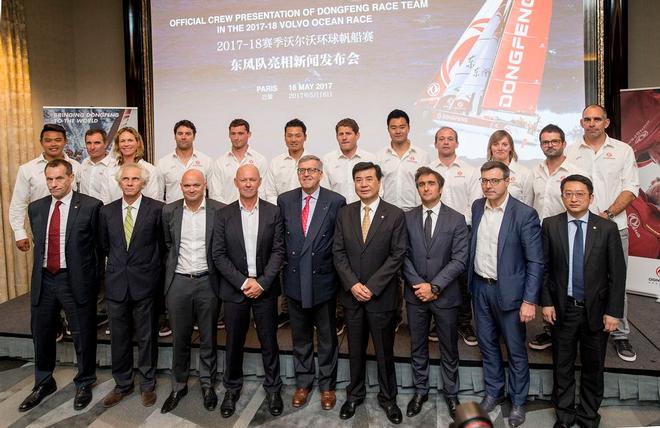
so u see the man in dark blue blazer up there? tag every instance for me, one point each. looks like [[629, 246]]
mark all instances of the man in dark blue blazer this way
[[436, 257], [131, 236], [505, 272], [309, 279]]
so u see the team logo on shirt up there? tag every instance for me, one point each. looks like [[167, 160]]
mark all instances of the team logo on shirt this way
[[459, 173], [512, 179], [609, 155], [197, 162]]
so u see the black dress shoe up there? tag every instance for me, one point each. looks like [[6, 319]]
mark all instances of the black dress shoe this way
[[228, 406], [210, 399], [173, 400], [559, 424], [393, 413], [37, 395], [275, 404], [348, 408], [415, 404], [452, 404], [83, 397]]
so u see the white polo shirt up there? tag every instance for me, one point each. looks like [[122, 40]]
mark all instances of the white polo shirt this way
[[170, 169], [399, 176], [461, 187], [338, 170], [547, 187], [223, 172]]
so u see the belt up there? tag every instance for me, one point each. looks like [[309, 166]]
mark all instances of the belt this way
[[194, 275], [65, 270], [578, 303], [489, 281]]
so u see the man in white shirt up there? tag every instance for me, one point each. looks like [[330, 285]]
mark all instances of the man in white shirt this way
[[171, 167], [461, 188], [611, 165], [223, 170]]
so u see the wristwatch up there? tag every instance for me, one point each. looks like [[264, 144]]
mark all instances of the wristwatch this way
[[610, 214], [435, 289]]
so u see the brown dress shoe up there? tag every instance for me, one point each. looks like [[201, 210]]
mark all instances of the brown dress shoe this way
[[328, 400], [148, 398], [300, 397], [114, 397]]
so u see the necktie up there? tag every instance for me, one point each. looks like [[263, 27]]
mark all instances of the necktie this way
[[53, 255], [366, 222], [428, 224], [305, 214], [578, 262], [128, 225]]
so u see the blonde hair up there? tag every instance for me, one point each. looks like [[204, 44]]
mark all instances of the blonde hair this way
[[139, 154], [497, 136]]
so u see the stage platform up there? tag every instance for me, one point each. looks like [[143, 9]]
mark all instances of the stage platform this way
[[639, 380]]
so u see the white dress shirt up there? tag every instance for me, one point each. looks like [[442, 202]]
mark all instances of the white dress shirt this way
[[134, 211], [312, 205], [170, 169], [612, 169], [30, 186], [399, 176], [372, 211], [435, 212], [111, 191], [485, 256], [92, 175], [250, 225], [521, 183], [338, 169], [547, 187], [64, 215], [461, 187], [192, 246], [223, 172]]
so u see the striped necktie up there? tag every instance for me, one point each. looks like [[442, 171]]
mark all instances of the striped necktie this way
[[128, 225]]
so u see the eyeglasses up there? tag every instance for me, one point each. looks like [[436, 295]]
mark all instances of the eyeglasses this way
[[551, 142], [492, 181], [577, 195], [309, 171]]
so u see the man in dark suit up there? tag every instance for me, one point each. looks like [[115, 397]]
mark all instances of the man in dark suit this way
[[436, 257], [582, 297], [132, 239], [192, 286], [370, 242], [64, 275], [309, 214], [505, 272], [248, 250]]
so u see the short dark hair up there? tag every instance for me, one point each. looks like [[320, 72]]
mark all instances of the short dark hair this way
[[239, 122], [363, 166], [553, 128], [187, 124], [425, 170], [60, 162], [496, 165], [397, 114], [579, 178], [101, 131], [296, 123], [598, 106], [52, 127], [349, 123]]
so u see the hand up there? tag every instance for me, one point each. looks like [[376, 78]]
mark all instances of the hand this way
[[549, 314], [361, 292], [604, 215], [424, 292], [527, 312], [252, 289], [23, 244], [611, 323]]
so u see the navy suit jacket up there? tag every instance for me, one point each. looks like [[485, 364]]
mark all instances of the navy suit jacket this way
[[520, 260], [309, 273], [441, 262], [137, 270]]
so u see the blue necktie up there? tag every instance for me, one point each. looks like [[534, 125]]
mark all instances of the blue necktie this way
[[578, 262]]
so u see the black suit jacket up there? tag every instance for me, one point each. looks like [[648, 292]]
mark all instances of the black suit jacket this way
[[309, 274], [138, 269], [229, 251], [375, 263], [604, 268], [81, 248], [439, 263], [172, 221]]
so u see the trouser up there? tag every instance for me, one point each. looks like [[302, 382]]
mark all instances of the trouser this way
[[623, 330]]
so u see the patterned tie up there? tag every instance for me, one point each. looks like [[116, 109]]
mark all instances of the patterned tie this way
[[128, 225], [366, 222], [53, 255], [428, 224], [578, 262], [305, 214]]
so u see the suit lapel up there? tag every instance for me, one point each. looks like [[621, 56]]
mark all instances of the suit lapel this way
[[418, 215], [379, 218], [591, 233], [563, 236], [210, 216], [442, 213], [262, 226], [504, 228], [139, 221], [74, 209], [177, 222], [320, 211], [236, 223], [357, 222]]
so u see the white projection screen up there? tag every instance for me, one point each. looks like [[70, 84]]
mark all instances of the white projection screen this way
[[473, 65]]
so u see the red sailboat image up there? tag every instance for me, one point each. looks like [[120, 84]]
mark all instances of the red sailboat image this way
[[493, 75]]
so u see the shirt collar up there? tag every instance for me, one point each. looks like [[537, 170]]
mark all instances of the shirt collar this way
[[457, 161], [410, 150], [501, 207], [42, 158], [372, 207], [256, 207], [66, 200], [135, 205], [584, 218], [357, 154], [435, 209], [201, 207], [105, 161], [315, 194], [288, 156]]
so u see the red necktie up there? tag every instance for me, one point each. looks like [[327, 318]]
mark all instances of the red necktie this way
[[53, 258], [305, 214]]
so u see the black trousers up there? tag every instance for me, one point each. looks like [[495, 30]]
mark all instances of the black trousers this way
[[189, 300], [572, 329], [465, 310], [127, 318], [237, 321], [419, 317], [56, 294], [303, 321], [380, 325]]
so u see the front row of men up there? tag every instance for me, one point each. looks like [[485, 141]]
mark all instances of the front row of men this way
[[573, 266]]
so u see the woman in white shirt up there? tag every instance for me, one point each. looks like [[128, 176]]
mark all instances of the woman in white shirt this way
[[521, 181]]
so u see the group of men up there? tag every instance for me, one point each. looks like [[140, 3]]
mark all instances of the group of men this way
[[347, 230]]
